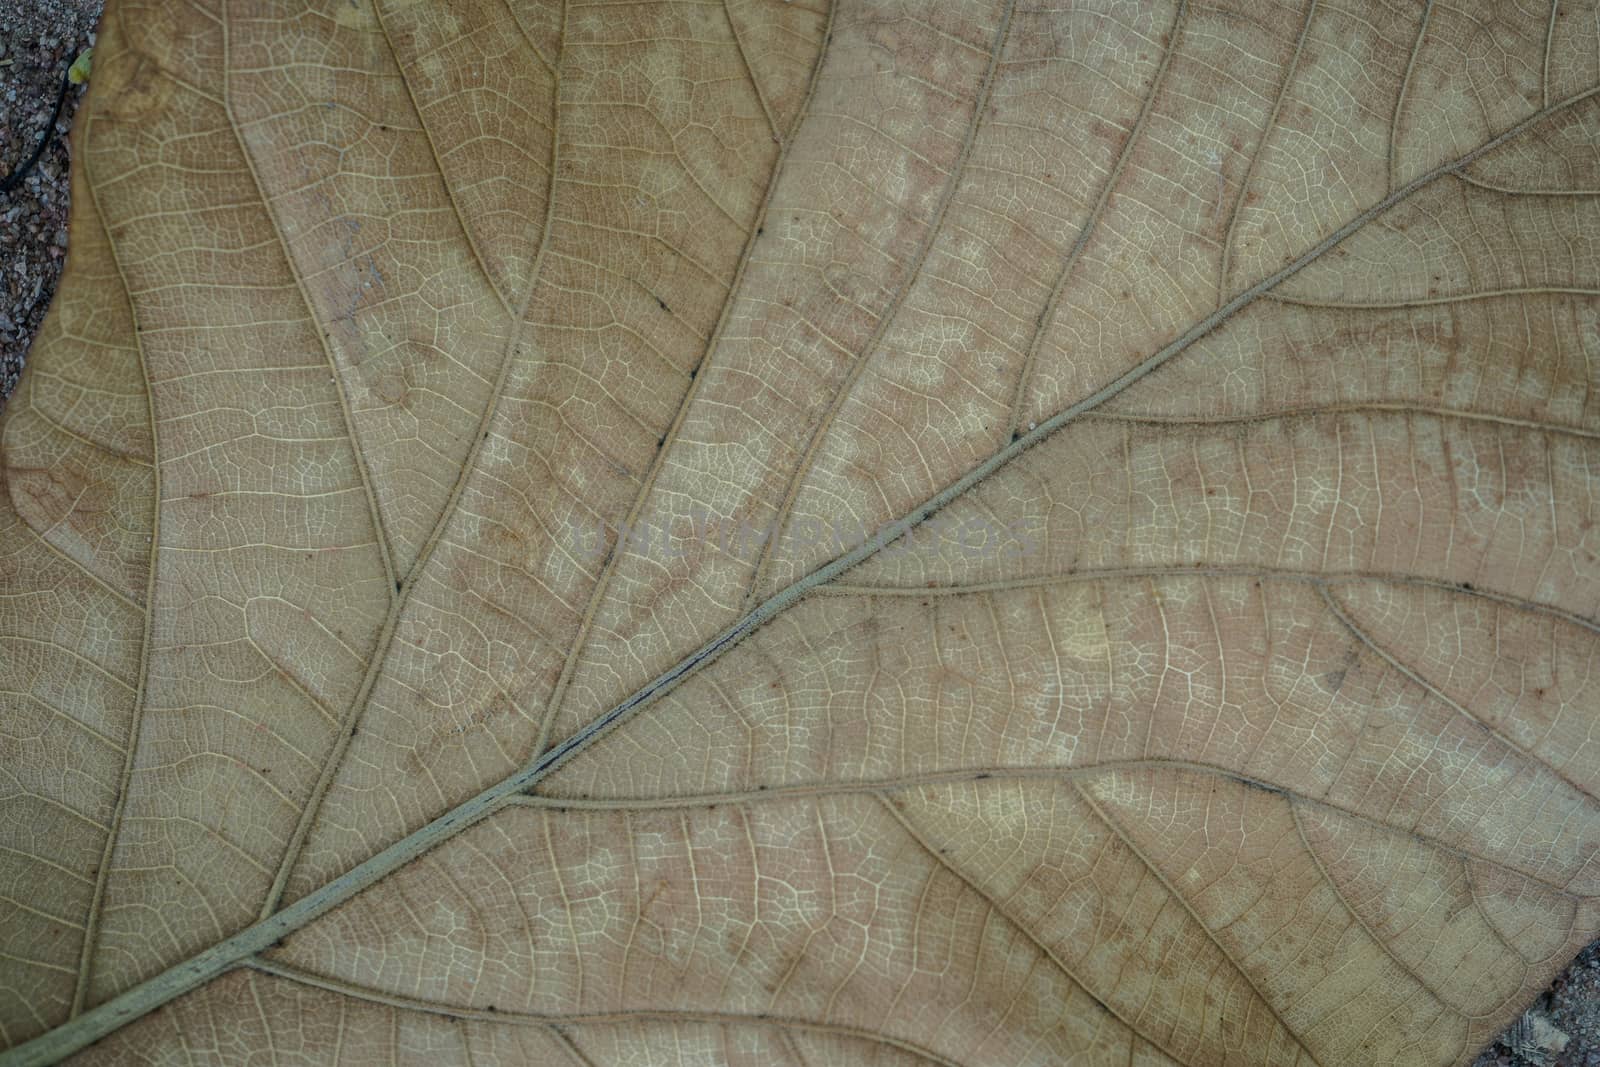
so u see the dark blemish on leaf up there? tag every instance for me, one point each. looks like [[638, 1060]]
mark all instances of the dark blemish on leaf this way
[[981, 776], [662, 304]]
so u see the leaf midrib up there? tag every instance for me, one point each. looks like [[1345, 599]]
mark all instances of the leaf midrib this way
[[50, 1047]]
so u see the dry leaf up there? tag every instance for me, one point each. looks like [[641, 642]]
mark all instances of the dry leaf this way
[[464, 592]]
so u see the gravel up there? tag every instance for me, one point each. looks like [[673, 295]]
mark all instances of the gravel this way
[[38, 41], [1562, 1028]]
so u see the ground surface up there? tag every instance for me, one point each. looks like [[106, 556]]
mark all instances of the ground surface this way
[[1561, 1029], [38, 41], [40, 38]]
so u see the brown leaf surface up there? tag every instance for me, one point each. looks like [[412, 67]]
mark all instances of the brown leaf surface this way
[[1176, 639]]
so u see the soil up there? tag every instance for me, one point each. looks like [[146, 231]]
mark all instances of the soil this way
[[39, 39], [1562, 1028]]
